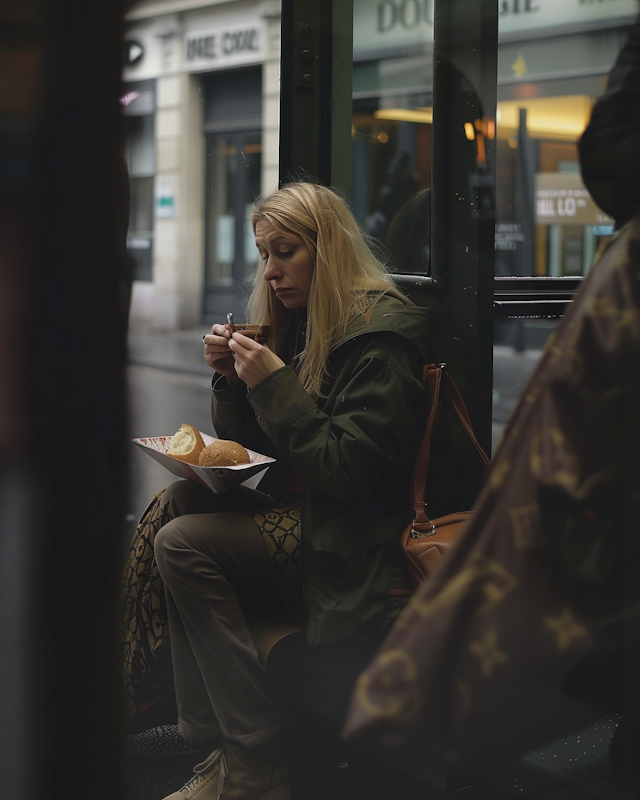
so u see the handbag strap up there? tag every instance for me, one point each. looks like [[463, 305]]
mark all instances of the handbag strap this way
[[434, 377]]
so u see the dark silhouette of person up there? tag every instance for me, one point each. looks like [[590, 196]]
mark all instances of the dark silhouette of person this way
[[409, 236], [610, 145], [400, 183]]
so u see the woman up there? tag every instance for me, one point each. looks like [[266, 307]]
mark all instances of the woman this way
[[336, 394]]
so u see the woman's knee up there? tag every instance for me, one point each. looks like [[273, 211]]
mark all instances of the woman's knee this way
[[184, 497], [171, 546]]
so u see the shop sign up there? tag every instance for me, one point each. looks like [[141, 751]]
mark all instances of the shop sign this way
[[508, 236], [562, 199], [138, 102], [165, 198], [142, 53], [133, 52], [380, 25], [223, 47], [390, 25], [522, 16]]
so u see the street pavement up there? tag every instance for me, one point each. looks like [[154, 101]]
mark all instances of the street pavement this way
[[168, 384], [511, 373], [176, 351]]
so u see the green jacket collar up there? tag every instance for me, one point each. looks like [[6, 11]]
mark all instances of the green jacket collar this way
[[389, 314]]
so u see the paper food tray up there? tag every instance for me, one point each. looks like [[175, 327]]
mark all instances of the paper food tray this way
[[218, 479]]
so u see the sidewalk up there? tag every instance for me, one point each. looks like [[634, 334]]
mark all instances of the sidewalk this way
[[175, 351]]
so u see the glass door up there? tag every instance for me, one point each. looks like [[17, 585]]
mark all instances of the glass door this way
[[234, 163]]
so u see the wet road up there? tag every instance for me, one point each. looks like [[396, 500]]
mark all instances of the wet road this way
[[511, 373], [159, 402]]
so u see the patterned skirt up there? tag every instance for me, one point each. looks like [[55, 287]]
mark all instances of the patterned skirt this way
[[147, 668]]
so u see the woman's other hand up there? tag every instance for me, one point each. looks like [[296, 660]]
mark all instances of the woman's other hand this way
[[253, 361], [217, 353]]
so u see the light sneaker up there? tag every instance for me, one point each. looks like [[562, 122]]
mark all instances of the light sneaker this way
[[257, 773], [208, 781], [238, 773]]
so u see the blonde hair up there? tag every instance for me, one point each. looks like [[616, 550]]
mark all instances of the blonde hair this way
[[346, 272]]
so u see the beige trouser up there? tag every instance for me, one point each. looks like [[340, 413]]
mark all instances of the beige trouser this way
[[216, 566]]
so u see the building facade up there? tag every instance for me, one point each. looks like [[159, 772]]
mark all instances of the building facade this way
[[201, 130], [201, 117]]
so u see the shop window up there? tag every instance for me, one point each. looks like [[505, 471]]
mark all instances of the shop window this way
[[139, 129], [547, 225], [232, 123], [548, 228], [233, 99]]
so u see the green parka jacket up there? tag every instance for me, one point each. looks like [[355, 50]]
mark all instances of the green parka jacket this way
[[355, 450]]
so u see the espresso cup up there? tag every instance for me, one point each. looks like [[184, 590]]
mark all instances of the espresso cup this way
[[253, 331]]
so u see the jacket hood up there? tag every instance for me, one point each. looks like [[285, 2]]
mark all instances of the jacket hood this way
[[389, 314]]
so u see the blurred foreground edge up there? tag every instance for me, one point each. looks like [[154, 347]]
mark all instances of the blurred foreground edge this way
[[62, 348]]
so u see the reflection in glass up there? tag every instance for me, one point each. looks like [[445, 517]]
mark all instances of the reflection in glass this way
[[391, 165], [392, 121], [551, 68], [409, 236], [547, 224]]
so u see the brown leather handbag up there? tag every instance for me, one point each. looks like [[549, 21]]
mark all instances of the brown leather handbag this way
[[425, 541]]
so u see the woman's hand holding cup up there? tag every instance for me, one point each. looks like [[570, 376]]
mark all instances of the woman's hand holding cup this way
[[253, 361], [217, 353], [239, 357]]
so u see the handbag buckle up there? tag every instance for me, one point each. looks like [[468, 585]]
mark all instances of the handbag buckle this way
[[420, 535]]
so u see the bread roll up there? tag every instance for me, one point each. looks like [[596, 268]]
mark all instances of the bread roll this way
[[186, 444], [223, 453]]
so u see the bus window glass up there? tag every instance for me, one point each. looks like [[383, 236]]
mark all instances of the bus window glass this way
[[553, 62]]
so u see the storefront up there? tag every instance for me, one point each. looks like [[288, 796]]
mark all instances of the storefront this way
[[201, 129], [201, 116]]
